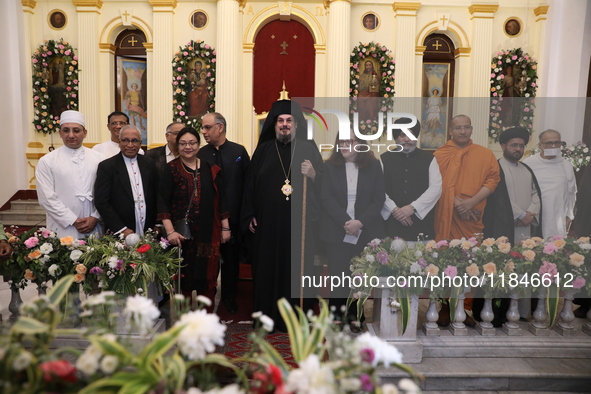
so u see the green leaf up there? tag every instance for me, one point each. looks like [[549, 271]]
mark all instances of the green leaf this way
[[29, 326], [110, 347], [60, 289], [294, 329], [271, 356], [160, 345], [552, 302], [176, 371], [405, 309]]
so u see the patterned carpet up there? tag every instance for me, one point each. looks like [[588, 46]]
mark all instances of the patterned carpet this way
[[237, 344]]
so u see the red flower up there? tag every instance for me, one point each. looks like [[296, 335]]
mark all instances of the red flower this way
[[143, 249], [60, 369], [132, 265], [276, 376], [516, 255]]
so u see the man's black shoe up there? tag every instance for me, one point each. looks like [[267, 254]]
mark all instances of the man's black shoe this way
[[231, 306]]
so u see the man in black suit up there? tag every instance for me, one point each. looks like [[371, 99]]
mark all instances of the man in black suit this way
[[126, 187], [233, 160], [168, 152]]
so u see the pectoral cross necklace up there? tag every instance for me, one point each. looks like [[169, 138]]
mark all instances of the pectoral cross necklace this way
[[286, 188]]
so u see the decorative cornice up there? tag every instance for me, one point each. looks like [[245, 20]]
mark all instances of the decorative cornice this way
[[35, 144], [462, 51], [404, 6], [109, 47], [420, 49], [148, 45], [247, 48], [319, 48], [163, 3], [486, 8], [541, 10], [29, 3], [34, 156], [88, 3], [328, 2]]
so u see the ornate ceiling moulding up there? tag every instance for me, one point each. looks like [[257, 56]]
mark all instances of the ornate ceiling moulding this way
[[541, 10], [88, 3], [29, 3], [163, 3], [484, 11]]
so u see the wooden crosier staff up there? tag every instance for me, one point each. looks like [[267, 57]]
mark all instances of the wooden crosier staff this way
[[303, 242]]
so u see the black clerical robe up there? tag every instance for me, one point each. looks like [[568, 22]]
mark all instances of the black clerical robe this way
[[276, 245], [498, 215]]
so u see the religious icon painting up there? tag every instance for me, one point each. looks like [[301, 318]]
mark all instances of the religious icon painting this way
[[198, 88], [132, 82], [199, 19], [57, 19], [434, 111], [512, 27], [370, 21], [55, 75]]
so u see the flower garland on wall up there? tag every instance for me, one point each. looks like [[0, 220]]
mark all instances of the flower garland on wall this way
[[525, 82], [382, 57], [55, 73], [193, 85]]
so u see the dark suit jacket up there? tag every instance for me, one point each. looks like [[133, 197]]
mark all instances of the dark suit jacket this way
[[158, 156], [368, 204], [234, 164], [498, 215], [113, 196]]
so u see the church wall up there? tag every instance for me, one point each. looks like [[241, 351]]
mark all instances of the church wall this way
[[13, 101], [558, 45]]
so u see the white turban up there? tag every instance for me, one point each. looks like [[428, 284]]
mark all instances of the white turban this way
[[72, 117]]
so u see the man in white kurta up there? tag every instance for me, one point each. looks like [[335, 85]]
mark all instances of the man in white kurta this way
[[65, 179], [557, 182], [115, 122]]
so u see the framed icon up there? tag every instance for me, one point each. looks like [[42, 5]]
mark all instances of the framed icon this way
[[370, 21], [513, 27], [199, 19], [57, 19]]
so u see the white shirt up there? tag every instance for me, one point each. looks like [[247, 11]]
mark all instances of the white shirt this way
[[110, 149], [556, 178], [169, 155], [426, 201], [137, 187], [352, 174], [65, 181]]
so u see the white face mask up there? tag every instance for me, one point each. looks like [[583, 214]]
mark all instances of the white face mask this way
[[552, 152]]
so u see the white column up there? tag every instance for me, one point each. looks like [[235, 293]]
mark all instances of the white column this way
[[406, 58], [338, 48], [88, 55], [482, 30], [158, 57], [229, 26], [247, 133], [565, 67]]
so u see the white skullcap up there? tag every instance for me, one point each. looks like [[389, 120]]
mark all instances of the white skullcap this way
[[72, 117]]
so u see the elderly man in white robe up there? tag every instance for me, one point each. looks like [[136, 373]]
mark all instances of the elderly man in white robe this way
[[65, 179], [556, 178]]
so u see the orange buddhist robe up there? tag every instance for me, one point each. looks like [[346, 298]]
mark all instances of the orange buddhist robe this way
[[464, 172]]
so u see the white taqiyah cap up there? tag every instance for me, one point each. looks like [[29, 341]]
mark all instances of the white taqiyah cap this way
[[72, 117]]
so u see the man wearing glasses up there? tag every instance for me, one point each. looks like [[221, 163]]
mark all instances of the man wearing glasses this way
[[168, 152], [470, 174], [233, 159], [115, 121], [126, 187], [557, 183]]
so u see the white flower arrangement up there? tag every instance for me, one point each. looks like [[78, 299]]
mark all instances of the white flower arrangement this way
[[201, 333]]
